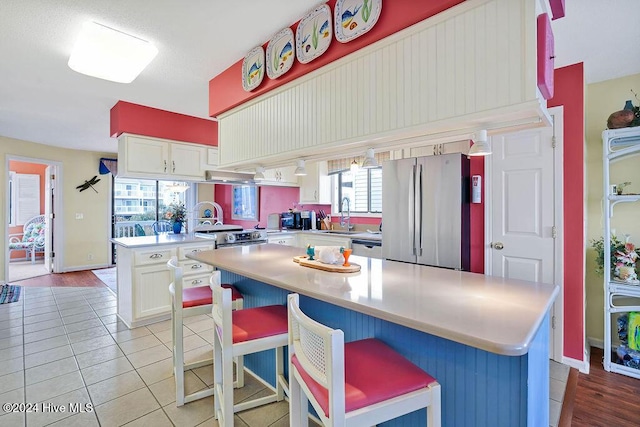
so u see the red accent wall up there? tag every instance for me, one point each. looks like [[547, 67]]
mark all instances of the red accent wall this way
[[33, 169], [569, 92], [477, 220], [225, 89], [142, 120], [272, 199]]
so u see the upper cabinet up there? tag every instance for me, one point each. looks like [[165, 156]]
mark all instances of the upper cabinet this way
[[315, 187], [281, 176], [439, 149], [470, 67], [155, 158]]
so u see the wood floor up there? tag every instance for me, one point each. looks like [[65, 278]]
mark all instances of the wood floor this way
[[74, 279], [600, 399], [604, 399]]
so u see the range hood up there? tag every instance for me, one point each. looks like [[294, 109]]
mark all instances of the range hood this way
[[224, 177]]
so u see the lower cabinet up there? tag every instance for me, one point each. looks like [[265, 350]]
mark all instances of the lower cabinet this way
[[143, 280], [285, 239], [305, 239]]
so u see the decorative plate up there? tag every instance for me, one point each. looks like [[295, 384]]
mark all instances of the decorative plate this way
[[280, 54], [253, 69], [313, 35], [353, 18], [207, 213]]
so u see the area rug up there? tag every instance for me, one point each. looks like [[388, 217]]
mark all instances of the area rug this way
[[9, 293], [108, 277]]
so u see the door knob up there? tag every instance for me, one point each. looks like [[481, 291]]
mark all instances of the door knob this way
[[497, 245]]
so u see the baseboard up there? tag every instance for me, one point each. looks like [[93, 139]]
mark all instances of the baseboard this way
[[581, 365], [85, 267]]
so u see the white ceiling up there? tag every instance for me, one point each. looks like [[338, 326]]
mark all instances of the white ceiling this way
[[42, 100]]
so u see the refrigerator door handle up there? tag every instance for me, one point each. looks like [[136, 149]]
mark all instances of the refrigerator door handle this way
[[418, 216], [412, 206]]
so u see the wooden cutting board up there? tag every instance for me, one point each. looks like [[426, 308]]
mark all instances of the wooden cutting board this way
[[303, 260]]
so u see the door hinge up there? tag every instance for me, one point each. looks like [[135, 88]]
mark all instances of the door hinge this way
[[553, 322], [553, 141], [52, 255], [554, 232], [53, 176]]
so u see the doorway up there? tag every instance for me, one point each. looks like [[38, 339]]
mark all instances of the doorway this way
[[524, 233], [31, 200]]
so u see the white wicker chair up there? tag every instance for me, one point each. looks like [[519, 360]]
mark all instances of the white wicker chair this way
[[31, 240]]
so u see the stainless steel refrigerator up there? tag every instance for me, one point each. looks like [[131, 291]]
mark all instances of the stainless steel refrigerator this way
[[426, 210]]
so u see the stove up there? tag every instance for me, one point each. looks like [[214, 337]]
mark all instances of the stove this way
[[230, 235]]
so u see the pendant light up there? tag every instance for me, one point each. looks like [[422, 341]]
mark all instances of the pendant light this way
[[300, 170], [369, 160], [259, 175], [480, 145]]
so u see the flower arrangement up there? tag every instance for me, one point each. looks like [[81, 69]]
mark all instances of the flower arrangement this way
[[624, 256], [176, 212]]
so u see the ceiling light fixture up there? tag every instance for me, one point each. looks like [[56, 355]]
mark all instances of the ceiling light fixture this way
[[354, 167], [480, 145], [259, 175], [110, 54], [300, 170], [369, 160]]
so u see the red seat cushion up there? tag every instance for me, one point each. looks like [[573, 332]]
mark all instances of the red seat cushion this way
[[203, 295], [259, 322], [374, 372]]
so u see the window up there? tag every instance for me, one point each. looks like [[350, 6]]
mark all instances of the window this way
[[364, 190]]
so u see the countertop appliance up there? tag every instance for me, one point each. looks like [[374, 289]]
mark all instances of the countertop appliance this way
[[232, 235], [425, 204], [273, 222]]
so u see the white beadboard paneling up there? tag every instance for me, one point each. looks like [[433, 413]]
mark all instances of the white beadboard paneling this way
[[440, 75]]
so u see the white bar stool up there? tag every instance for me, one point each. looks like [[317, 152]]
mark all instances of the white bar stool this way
[[361, 383], [187, 302], [243, 332]]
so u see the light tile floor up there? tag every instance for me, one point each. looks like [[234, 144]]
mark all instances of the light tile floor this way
[[558, 374], [63, 346]]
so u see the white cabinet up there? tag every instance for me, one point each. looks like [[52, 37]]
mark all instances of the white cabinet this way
[[315, 187], [319, 239], [621, 297], [281, 176], [143, 280], [286, 239], [439, 149], [155, 158]]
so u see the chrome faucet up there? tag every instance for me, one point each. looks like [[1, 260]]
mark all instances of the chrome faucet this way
[[342, 218]]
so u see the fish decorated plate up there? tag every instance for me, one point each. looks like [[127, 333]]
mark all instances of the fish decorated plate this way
[[353, 18], [280, 53], [314, 33], [253, 69]]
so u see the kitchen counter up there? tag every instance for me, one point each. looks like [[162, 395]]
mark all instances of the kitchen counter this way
[[490, 313], [485, 339], [362, 235], [160, 239]]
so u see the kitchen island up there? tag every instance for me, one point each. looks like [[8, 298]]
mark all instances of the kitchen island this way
[[485, 339]]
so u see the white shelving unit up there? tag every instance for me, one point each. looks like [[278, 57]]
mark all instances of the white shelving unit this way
[[619, 298]]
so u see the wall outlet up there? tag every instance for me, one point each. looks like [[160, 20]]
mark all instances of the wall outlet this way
[[79, 216], [89, 257]]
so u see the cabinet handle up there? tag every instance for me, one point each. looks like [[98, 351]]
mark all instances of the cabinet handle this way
[[165, 165], [195, 251], [196, 282], [155, 256], [173, 164], [435, 150], [196, 266], [315, 195]]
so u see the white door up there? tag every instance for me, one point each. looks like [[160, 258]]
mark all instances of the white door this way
[[525, 212], [49, 214]]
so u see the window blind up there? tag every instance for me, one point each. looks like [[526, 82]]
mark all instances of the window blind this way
[[341, 165]]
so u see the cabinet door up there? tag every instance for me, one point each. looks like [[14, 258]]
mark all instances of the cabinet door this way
[[315, 187], [144, 155], [320, 240], [186, 160], [191, 267], [151, 291], [286, 240], [281, 176]]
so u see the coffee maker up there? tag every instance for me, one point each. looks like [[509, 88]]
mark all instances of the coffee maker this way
[[305, 220]]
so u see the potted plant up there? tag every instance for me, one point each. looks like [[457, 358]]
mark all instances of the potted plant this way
[[176, 213], [624, 256]]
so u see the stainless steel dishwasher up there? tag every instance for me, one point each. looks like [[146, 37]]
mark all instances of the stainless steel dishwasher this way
[[368, 248]]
